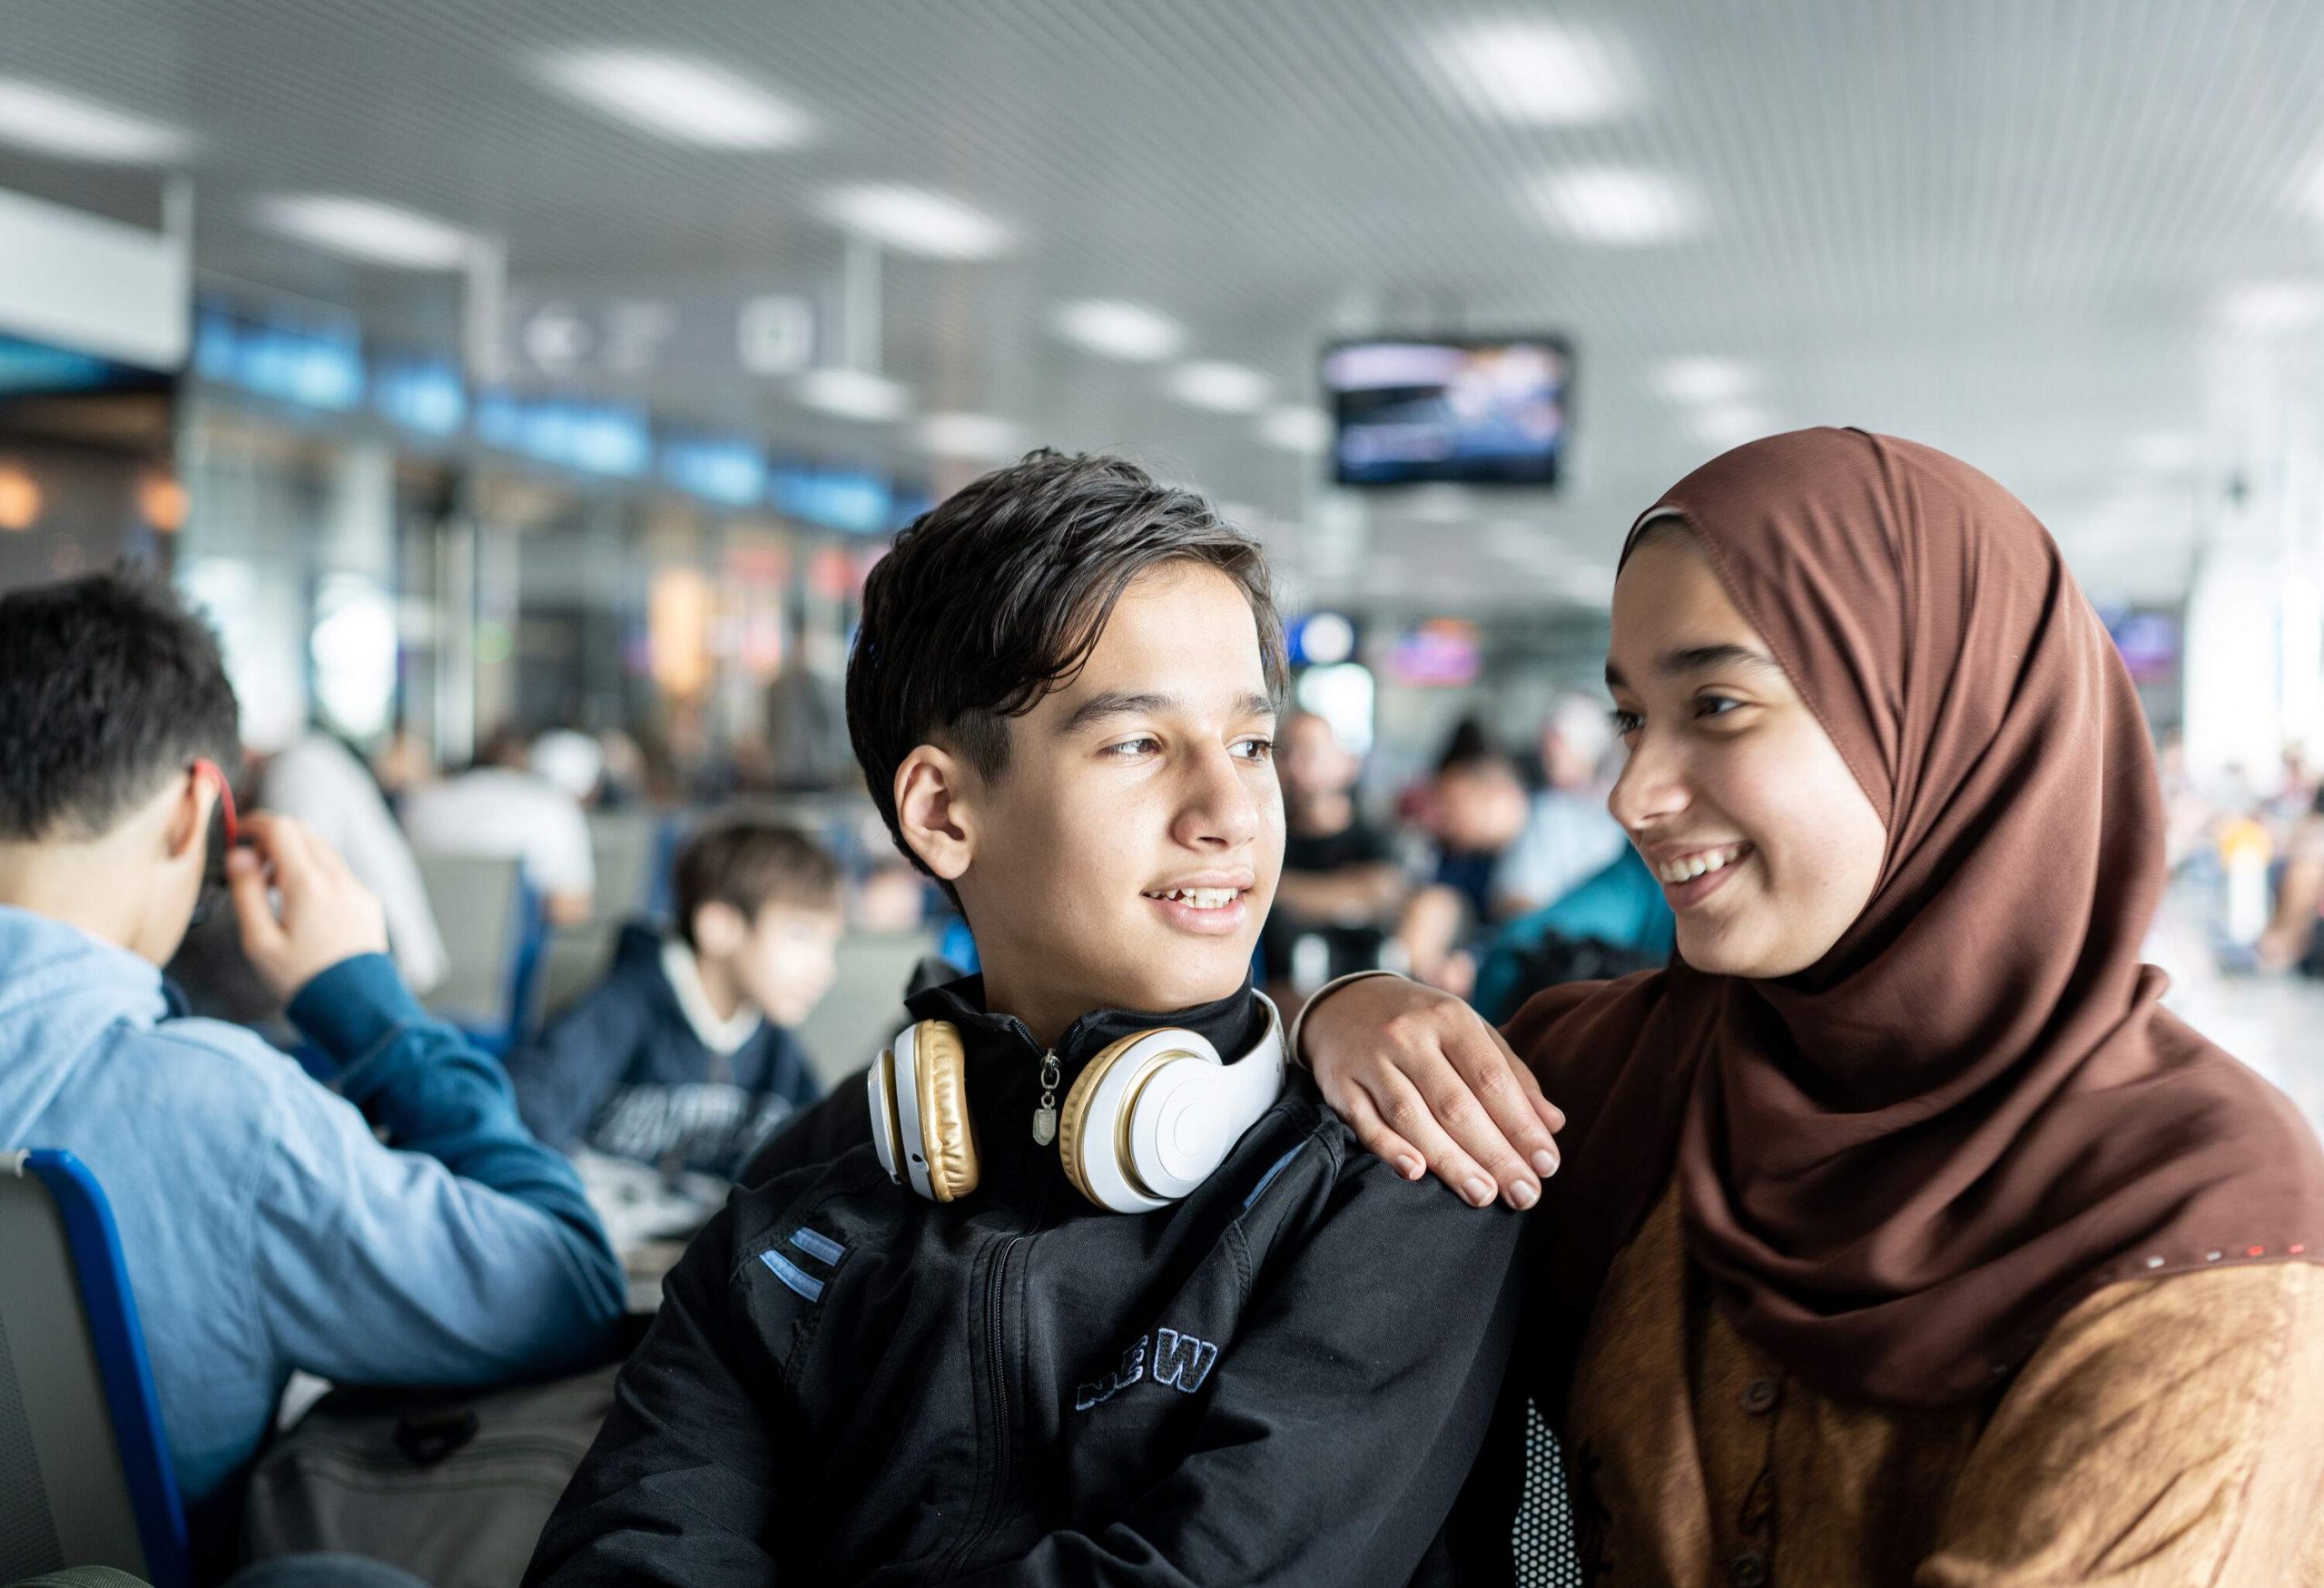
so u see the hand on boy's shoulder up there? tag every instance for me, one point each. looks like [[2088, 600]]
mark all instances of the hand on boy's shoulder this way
[[816, 1135]]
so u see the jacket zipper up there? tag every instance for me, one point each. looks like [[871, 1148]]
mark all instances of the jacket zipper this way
[[996, 1357]]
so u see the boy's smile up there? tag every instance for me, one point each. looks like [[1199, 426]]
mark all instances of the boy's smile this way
[[1126, 855]]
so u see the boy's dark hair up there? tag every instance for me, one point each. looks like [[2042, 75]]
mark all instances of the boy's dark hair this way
[[996, 596], [751, 861], [108, 686]]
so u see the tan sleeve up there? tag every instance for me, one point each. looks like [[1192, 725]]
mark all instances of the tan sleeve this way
[[2169, 1433]]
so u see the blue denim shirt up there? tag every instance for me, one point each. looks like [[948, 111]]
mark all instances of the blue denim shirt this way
[[265, 1225]]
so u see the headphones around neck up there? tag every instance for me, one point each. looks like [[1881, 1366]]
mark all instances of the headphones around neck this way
[[1145, 1124]]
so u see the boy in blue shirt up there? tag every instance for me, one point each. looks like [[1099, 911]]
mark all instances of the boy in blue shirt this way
[[266, 1224]]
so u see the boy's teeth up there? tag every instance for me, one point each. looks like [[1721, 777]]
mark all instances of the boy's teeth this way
[[1201, 898], [1695, 866]]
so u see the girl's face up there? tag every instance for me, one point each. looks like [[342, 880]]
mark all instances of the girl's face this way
[[1764, 842]]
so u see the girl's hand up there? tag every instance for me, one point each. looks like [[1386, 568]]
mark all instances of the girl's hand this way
[[1425, 1083]]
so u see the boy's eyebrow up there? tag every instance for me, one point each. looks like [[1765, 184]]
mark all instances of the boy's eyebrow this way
[[1698, 659], [1114, 703]]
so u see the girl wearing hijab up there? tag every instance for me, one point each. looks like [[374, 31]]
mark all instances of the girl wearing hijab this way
[[1902, 1237]]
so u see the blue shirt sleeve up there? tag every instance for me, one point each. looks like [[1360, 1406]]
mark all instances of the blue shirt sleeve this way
[[462, 1250]]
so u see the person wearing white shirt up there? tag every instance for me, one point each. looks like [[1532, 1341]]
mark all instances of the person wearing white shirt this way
[[500, 811], [317, 781]]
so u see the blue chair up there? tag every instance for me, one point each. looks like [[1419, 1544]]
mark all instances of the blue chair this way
[[83, 1468]]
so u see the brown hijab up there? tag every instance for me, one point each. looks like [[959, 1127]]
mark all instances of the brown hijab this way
[[1900, 1166]]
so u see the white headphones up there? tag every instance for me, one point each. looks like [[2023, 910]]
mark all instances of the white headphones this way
[[1145, 1124]]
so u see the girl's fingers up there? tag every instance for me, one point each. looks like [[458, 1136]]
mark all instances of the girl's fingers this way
[[1400, 1155], [1511, 1100], [1405, 1113]]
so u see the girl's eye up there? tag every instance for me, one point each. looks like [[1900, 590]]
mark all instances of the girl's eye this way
[[1256, 750], [1716, 705], [1626, 723]]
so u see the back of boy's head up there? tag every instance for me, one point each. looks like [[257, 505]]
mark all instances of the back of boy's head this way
[[997, 595], [750, 862], [108, 687]]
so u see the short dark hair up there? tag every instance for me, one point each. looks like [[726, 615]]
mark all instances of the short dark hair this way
[[751, 861], [996, 596], [108, 687]]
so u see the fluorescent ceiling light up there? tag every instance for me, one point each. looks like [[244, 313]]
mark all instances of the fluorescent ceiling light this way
[[978, 436], [373, 233], [854, 394], [1117, 330], [1541, 73], [2272, 306], [1296, 429], [671, 96], [1220, 388], [1724, 425], [1617, 206], [915, 220], [1704, 380], [32, 116]]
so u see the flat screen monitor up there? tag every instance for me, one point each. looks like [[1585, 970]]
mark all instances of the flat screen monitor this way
[[1465, 410]]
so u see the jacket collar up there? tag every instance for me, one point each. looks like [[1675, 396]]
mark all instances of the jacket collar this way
[[1232, 1024]]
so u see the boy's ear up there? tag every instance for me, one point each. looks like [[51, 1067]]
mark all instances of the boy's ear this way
[[719, 929], [188, 823], [931, 811]]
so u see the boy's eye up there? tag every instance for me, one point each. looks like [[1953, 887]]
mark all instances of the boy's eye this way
[[1128, 749], [1260, 749]]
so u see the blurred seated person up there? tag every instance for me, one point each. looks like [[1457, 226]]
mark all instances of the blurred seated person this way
[[1568, 836], [320, 783], [1616, 923], [1476, 807], [2292, 936], [500, 808], [1340, 883], [574, 760], [683, 1057], [399, 1226]]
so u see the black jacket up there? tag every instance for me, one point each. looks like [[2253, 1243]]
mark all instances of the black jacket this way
[[1282, 1379], [623, 1071]]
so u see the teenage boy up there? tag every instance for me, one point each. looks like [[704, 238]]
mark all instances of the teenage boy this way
[[265, 1226], [1063, 699], [682, 1056]]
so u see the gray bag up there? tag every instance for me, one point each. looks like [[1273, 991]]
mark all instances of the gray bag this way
[[452, 1486]]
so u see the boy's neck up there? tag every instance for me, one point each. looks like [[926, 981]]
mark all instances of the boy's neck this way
[[78, 884], [720, 990]]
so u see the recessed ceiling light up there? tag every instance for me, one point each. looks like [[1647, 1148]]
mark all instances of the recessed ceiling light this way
[[671, 96], [1705, 380], [2271, 306], [1220, 388], [977, 436], [34, 115], [1725, 424], [1296, 429], [1117, 330], [1546, 73], [1617, 206], [854, 394], [364, 229], [915, 220]]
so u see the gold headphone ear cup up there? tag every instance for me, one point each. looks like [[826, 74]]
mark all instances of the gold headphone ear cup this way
[[948, 1132], [1075, 1119]]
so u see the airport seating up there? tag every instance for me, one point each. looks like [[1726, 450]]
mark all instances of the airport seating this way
[[865, 1006], [494, 933], [631, 851], [85, 1478]]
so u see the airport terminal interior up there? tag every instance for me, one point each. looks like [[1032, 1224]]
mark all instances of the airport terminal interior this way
[[525, 393]]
